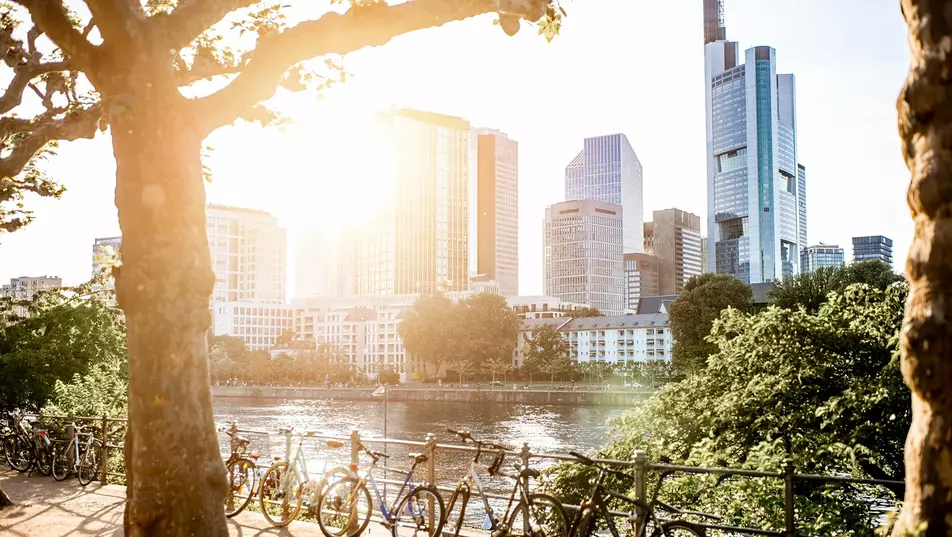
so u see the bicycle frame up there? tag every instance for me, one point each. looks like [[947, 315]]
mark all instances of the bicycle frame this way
[[599, 500], [464, 489], [368, 477]]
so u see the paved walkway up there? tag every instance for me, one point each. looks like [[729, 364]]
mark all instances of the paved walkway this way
[[47, 508]]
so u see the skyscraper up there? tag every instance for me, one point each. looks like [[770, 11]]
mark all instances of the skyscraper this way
[[752, 178], [824, 255], [249, 255], [676, 240], [873, 247], [641, 278], [419, 242], [497, 210], [583, 254], [318, 264], [608, 170], [105, 254], [802, 209]]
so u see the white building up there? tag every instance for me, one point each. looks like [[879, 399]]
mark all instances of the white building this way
[[583, 254], [24, 287], [497, 210], [541, 307], [319, 265], [753, 219], [616, 339], [419, 241], [258, 324]]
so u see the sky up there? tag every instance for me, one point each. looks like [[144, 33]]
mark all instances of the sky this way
[[630, 66]]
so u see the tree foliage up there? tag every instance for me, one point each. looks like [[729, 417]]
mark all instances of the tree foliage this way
[[56, 337], [809, 289], [693, 313], [822, 388], [547, 353], [587, 311]]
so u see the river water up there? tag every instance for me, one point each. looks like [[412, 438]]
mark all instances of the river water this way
[[548, 429]]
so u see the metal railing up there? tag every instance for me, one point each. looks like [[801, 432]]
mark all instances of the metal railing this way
[[639, 464]]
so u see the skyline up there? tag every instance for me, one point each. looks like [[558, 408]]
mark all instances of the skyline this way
[[664, 122]]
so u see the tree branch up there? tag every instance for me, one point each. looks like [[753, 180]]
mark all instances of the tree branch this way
[[23, 74], [334, 33], [75, 125], [50, 16], [117, 20], [192, 17]]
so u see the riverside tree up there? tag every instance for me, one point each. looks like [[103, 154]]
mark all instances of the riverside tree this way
[[139, 59]]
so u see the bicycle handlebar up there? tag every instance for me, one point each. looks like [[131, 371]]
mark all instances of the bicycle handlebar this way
[[589, 462]]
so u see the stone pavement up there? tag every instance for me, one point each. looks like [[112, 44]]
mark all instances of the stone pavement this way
[[47, 508]]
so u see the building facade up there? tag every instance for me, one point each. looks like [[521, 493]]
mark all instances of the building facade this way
[[802, 210], [824, 255], [641, 278], [258, 324], [497, 210], [752, 179], [419, 242], [105, 255], [24, 287], [677, 245], [583, 254], [318, 264], [249, 255], [615, 339], [608, 170], [873, 247], [542, 307]]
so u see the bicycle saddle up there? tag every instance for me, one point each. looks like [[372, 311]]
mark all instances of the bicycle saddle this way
[[417, 457], [525, 471]]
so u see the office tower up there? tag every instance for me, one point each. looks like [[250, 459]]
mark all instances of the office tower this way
[[752, 177], [249, 255], [24, 287], [497, 210], [873, 247], [418, 242], [802, 209], [676, 239], [608, 170], [105, 255], [649, 238], [714, 21], [319, 264], [824, 255], [583, 254], [704, 269], [641, 278]]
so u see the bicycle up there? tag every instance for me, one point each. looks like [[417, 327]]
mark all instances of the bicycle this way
[[346, 499], [80, 454], [286, 484], [641, 515], [535, 514], [242, 472]]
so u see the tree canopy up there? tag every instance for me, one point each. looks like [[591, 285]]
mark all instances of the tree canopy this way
[[547, 353], [823, 388], [587, 311], [809, 289], [693, 313]]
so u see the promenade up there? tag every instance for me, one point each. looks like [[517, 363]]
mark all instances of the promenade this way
[[47, 508]]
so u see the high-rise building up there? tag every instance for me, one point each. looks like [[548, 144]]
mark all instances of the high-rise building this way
[[752, 178], [105, 255], [24, 287], [641, 278], [704, 269], [583, 254], [676, 239], [873, 247], [321, 265], [649, 238], [248, 253], [608, 170], [419, 241], [497, 210], [802, 210], [824, 255]]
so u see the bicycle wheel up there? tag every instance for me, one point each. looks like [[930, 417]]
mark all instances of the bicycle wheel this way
[[344, 508], [679, 528], [241, 478], [19, 454], [544, 517], [280, 496], [62, 460], [460, 496], [332, 475], [420, 512], [44, 459], [585, 523], [89, 463]]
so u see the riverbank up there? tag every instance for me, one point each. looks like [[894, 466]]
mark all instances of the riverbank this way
[[454, 395]]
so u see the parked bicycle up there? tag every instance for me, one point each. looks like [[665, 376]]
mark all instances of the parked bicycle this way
[[28, 447], [79, 455], [286, 485], [346, 505], [639, 520], [242, 470], [533, 514]]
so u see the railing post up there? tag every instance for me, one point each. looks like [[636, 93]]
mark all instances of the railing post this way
[[354, 448], [640, 459], [789, 516], [430, 476], [524, 455], [104, 461]]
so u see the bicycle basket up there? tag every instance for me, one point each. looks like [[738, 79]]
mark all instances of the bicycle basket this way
[[497, 463]]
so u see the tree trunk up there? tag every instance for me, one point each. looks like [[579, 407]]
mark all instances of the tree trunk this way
[[925, 124], [176, 479], [5, 500]]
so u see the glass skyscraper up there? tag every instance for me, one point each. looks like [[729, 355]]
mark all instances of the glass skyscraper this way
[[823, 255], [754, 218], [608, 170], [873, 247]]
